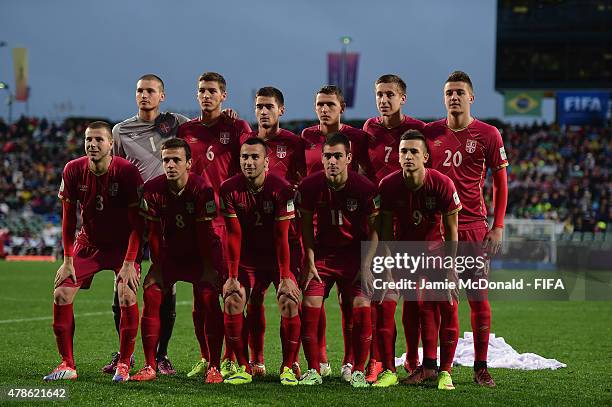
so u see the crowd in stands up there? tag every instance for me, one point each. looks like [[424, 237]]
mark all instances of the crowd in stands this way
[[558, 174]]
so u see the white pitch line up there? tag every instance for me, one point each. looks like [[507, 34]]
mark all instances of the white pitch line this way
[[86, 314]]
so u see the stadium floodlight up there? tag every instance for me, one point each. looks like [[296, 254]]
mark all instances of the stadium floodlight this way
[[3, 85]]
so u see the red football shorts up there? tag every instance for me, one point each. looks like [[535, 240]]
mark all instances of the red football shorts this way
[[258, 270], [89, 260], [340, 266]]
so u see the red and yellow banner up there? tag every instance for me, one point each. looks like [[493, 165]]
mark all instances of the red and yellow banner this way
[[20, 65]]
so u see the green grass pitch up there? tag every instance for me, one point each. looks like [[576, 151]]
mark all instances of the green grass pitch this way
[[576, 333]]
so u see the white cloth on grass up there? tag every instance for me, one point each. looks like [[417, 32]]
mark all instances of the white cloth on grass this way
[[500, 355]]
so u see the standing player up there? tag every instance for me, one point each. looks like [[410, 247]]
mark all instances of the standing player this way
[[329, 106], [463, 148], [345, 204], [286, 160], [138, 139], [107, 189], [422, 200], [179, 207], [214, 139], [257, 204], [383, 146]]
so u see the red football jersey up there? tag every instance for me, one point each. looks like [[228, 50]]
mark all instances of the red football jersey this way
[[314, 141], [257, 211], [214, 149], [104, 200], [341, 216], [286, 155], [178, 214], [383, 144], [419, 213], [464, 157]]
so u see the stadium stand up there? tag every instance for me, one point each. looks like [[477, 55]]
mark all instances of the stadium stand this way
[[563, 175]]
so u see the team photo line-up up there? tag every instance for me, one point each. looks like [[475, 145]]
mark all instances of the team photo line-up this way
[[231, 210]]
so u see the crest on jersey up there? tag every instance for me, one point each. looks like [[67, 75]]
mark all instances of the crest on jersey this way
[[313, 146], [437, 143], [430, 202], [113, 189], [351, 204], [470, 146], [192, 139], [211, 207], [268, 207], [164, 128], [189, 207], [281, 151], [224, 137]]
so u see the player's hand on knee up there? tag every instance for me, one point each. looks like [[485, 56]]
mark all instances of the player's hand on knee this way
[[129, 276], [66, 270], [231, 286], [493, 240], [288, 288], [310, 272]]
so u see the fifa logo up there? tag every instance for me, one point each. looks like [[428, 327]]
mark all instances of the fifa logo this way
[[281, 151], [470, 146]]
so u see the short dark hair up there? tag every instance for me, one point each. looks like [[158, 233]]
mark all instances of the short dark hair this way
[[332, 90], [177, 143], [254, 141], [460, 76], [152, 77], [99, 124], [214, 77], [414, 135], [272, 92], [391, 78], [334, 139]]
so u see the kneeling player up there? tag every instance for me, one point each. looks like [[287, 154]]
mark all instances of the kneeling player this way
[[107, 189], [421, 200], [179, 207], [257, 205], [345, 204]]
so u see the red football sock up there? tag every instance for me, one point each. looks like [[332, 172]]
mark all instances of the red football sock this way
[[128, 329], [310, 337], [256, 320], [449, 333], [322, 332], [150, 323], [63, 327], [386, 334], [429, 329], [362, 335], [376, 311], [412, 331], [198, 316], [290, 338], [481, 326], [347, 332], [213, 322], [233, 337]]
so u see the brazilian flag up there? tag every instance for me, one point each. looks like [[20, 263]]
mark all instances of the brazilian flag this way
[[522, 103]]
